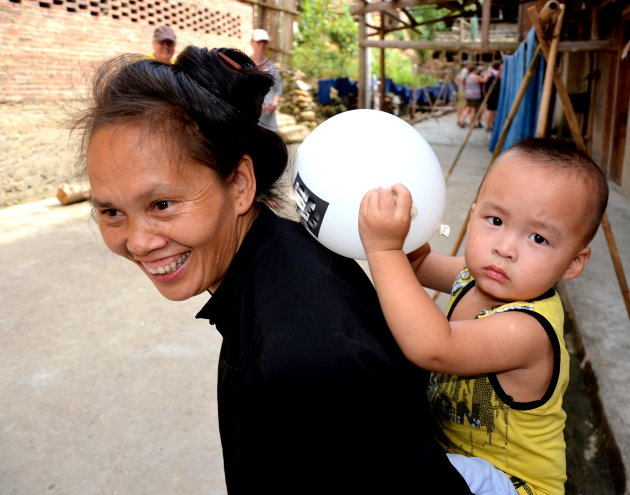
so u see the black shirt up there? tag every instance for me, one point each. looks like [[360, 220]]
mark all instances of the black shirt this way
[[314, 395]]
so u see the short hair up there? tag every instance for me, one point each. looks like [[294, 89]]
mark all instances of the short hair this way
[[207, 103], [564, 155]]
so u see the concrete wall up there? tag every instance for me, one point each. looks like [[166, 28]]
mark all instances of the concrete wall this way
[[51, 48]]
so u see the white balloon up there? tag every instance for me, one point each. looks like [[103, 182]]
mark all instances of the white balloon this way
[[353, 152]]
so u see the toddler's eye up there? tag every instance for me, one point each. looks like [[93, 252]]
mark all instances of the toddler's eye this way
[[538, 239], [162, 204], [496, 221]]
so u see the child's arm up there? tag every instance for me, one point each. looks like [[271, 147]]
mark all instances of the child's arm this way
[[435, 270], [498, 343]]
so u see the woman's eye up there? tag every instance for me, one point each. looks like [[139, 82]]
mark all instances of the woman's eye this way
[[162, 204], [109, 212], [538, 239], [496, 221]]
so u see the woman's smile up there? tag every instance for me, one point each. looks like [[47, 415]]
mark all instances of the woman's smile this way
[[165, 265]]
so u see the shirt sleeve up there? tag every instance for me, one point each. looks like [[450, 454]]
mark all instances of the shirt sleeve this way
[[276, 89]]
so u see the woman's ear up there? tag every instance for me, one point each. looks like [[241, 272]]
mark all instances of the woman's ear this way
[[577, 265], [243, 185]]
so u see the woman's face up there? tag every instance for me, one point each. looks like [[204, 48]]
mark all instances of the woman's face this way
[[172, 218]]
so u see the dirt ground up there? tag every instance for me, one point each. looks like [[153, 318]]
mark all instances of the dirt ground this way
[[37, 154]]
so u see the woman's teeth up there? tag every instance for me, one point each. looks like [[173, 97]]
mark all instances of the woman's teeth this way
[[168, 268]]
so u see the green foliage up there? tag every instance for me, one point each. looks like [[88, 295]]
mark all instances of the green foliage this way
[[399, 68], [423, 13], [326, 45]]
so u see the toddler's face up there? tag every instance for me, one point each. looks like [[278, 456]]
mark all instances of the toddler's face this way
[[525, 230]]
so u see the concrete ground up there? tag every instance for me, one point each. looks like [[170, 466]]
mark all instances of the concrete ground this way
[[107, 388]]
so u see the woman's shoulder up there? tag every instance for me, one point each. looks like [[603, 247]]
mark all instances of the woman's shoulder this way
[[291, 259]]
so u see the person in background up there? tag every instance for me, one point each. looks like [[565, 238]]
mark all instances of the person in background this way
[[499, 358], [494, 73], [473, 91], [314, 395], [461, 99], [259, 43], [164, 42]]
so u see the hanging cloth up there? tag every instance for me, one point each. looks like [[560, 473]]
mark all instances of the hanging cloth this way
[[514, 68]]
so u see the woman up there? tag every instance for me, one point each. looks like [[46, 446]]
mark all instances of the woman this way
[[493, 100], [473, 93], [314, 396], [259, 43]]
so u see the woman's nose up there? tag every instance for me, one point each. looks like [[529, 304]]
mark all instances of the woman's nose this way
[[142, 238]]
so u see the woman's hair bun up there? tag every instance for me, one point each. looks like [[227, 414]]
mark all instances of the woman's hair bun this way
[[208, 103], [229, 75]]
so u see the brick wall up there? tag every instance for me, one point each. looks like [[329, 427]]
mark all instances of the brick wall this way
[[49, 50], [51, 46]]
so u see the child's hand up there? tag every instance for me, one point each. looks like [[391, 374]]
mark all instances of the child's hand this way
[[384, 218]]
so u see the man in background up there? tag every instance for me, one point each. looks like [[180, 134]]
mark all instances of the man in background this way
[[259, 43], [164, 42]]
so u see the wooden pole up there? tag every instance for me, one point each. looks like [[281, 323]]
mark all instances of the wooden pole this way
[[549, 12], [545, 101], [445, 83], [561, 90], [363, 79], [382, 64], [427, 96], [485, 25], [616, 260]]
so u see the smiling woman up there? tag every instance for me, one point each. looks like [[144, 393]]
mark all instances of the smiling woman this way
[[172, 221], [313, 392]]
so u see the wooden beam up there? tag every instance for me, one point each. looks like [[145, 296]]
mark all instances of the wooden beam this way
[[485, 25], [588, 46], [270, 6], [550, 72], [393, 4], [363, 80], [382, 76], [506, 46], [411, 18], [424, 23]]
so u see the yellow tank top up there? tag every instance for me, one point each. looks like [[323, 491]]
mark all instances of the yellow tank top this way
[[477, 418]]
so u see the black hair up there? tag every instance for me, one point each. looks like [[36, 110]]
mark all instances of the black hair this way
[[565, 156], [207, 103]]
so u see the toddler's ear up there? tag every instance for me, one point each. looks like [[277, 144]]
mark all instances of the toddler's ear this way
[[472, 208], [577, 265]]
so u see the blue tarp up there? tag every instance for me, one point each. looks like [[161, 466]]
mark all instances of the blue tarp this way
[[514, 68], [445, 92], [406, 93], [345, 87]]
